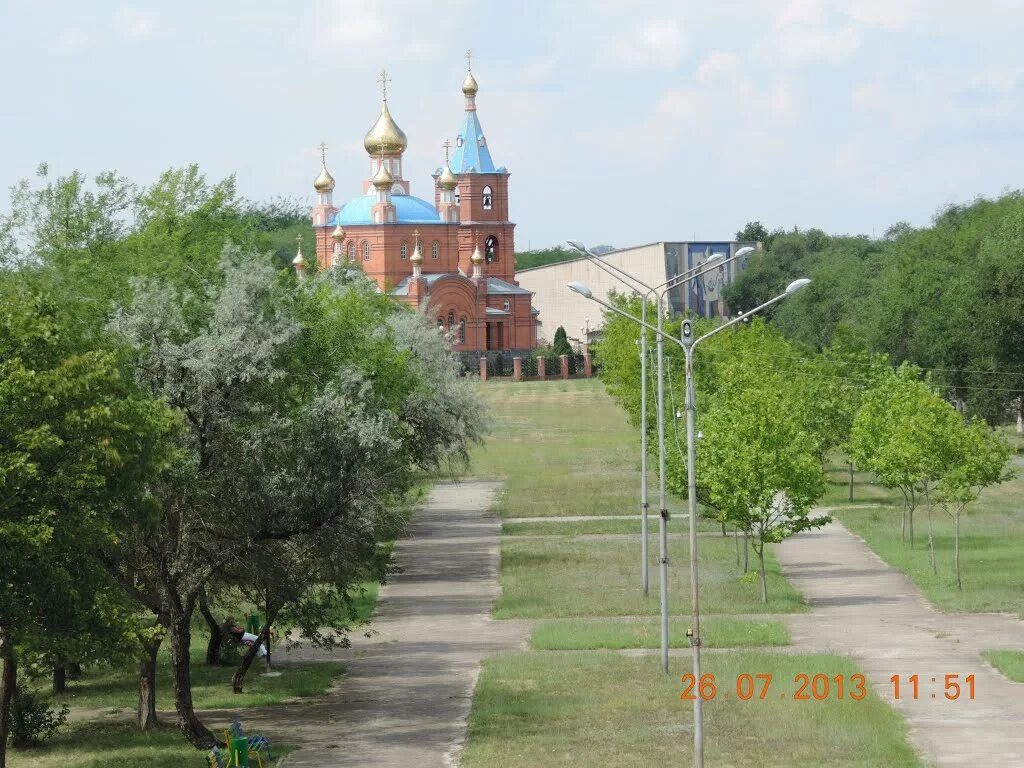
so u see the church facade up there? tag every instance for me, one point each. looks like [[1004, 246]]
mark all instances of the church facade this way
[[454, 258]]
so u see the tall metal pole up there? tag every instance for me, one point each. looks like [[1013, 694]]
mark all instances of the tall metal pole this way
[[663, 500], [691, 483], [644, 556]]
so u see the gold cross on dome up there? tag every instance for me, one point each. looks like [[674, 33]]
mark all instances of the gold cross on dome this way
[[469, 60], [323, 152], [384, 80], [416, 234], [298, 240], [447, 146]]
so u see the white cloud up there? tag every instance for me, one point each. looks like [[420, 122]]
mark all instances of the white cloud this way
[[71, 40], [716, 64], [135, 24], [655, 44], [868, 96]]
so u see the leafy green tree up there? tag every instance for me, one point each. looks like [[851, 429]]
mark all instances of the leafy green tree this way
[[79, 448], [561, 345], [982, 460], [906, 435], [759, 465]]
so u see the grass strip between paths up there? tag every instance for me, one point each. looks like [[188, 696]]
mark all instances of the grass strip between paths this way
[[716, 631], [1009, 663], [603, 710]]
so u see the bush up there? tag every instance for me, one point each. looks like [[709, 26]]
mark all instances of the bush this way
[[34, 720]]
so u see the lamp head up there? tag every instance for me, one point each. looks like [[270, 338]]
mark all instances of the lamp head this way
[[576, 245], [796, 285], [714, 258], [581, 289], [745, 251]]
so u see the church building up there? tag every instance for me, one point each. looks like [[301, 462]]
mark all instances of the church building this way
[[453, 258]]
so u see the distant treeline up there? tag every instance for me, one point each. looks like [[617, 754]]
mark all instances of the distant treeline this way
[[948, 298]]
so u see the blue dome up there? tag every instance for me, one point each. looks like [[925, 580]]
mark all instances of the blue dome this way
[[408, 210]]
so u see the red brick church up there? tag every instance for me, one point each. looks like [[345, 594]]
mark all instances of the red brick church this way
[[454, 258]]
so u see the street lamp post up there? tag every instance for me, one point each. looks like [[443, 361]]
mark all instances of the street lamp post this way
[[689, 344], [660, 292]]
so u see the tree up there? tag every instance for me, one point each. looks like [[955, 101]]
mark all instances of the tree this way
[[561, 345], [983, 457], [759, 465], [906, 435], [78, 449]]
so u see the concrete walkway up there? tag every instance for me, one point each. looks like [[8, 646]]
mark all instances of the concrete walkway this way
[[404, 700], [863, 608]]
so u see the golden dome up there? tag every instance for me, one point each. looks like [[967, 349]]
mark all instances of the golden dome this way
[[417, 255], [324, 182], [299, 262], [338, 233], [447, 179], [469, 86], [476, 258], [382, 179], [385, 135]]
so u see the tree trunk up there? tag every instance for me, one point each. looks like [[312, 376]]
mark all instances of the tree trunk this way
[[931, 538], [746, 552], [956, 555], [216, 631], [1020, 415], [724, 534], [146, 714], [7, 683], [851, 481], [903, 520], [60, 680], [238, 678], [764, 577], [910, 516], [198, 735], [736, 539]]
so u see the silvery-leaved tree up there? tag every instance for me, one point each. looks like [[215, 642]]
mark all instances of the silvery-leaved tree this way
[[309, 409]]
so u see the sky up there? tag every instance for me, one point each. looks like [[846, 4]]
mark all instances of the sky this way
[[621, 123]]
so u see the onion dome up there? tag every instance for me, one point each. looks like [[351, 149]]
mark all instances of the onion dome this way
[[447, 179], [383, 179], [299, 262], [417, 255], [385, 135], [324, 182], [477, 258], [469, 85], [338, 234]]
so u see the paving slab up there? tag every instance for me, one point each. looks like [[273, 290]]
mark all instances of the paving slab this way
[[863, 608], [406, 694]]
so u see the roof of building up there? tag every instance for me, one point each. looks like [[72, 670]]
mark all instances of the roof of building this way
[[471, 154], [496, 311], [497, 285], [402, 289], [408, 210]]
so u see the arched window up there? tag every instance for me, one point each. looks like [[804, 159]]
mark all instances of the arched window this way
[[507, 305], [491, 249], [458, 141], [435, 250], [487, 198], [451, 319], [458, 197], [462, 330], [440, 324], [366, 250], [405, 250], [351, 250]]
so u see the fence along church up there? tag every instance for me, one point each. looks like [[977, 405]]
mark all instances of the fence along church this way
[[453, 258]]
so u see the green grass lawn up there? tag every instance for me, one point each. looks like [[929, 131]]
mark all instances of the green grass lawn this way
[[109, 688], [717, 632], [603, 710], [563, 448], [1010, 663], [991, 544], [108, 744], [676, 525], [565, 578]]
